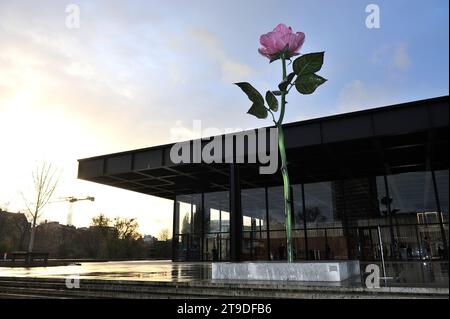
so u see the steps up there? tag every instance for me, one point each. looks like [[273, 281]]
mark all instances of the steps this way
[[17, 287]]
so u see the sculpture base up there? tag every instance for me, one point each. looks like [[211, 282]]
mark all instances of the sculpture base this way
[[324, 271]]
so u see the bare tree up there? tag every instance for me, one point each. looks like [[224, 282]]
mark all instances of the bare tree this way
[[45, 180], [163, 234], [101, 221], [127, 228]]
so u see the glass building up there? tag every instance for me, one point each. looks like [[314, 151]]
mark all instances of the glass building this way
[[365, 184]]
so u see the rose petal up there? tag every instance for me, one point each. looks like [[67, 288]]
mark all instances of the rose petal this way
[[283, 29], [276, 41], [263, 52], [294, 41], [273, 42], [281, 42], [268, 40]]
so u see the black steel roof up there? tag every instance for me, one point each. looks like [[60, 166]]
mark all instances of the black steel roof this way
[[391, 139]]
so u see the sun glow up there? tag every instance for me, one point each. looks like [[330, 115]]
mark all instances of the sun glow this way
[[34, 129], [22, 101]]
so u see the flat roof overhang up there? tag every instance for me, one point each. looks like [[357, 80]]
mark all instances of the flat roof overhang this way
[[405, 137]]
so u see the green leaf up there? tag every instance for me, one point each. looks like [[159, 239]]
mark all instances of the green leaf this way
[[258, 110], [251, 92], [307, 84], [272, 101], [275, 58], [276, 93], [284, 84], [308, 63]]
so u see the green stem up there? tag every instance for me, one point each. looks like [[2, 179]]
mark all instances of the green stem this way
[[284, 172]]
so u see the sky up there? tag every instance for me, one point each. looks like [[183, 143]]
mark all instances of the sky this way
[[138, 73]]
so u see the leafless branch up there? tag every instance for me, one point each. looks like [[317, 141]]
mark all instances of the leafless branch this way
[[45, 180]]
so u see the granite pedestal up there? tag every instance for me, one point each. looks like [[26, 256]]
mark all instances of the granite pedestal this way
[[282, 271]]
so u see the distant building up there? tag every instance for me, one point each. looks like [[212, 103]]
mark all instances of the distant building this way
[[149, 239], [17, 217], [51, 226], [14, 231]]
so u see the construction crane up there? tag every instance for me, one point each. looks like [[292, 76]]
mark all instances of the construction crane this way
[[71, 200]]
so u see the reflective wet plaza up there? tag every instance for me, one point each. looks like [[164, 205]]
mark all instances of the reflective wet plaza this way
[[419, 274], [161, 270]]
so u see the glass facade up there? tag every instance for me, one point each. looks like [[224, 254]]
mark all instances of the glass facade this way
[[442, 191], [441, 178], [202, 227], [217, 226], [277, 223], [254, 224], [404, 216], [188, 227], [411, 194]]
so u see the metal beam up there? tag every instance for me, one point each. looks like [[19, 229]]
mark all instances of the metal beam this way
[[235, 214]]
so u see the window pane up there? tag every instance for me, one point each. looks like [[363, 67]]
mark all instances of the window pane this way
[[382, 203], [442, 188], [255, 245], [277, 224], [216, 243], [411, 194], [217, 216], [225, 246], [356, 200], [185, 218], [225, 224], [214, 220], [278, 245], [298, 207], [276, 208], [277, 217], [319, 205], [336, 245], [187, 214], [253, 203], [298, 237], [316, 244], [188, 224], [411, 200], [217, 246]]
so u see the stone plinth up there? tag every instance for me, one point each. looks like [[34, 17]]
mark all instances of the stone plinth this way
[[296, 271]]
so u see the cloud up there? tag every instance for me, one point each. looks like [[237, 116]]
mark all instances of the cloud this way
[[179, 132], [176, 74], [231, 70], [392, 56], [234, 71], [401, 59], [357, 95]]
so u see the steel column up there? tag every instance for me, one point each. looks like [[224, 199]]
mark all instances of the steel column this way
[[235, 214]]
